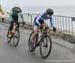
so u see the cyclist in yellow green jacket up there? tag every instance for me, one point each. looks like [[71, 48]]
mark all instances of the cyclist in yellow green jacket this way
[[2, 13], [14, 14]]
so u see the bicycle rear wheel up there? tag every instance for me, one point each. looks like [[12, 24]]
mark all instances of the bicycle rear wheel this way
[[30, 45], [45, 43]]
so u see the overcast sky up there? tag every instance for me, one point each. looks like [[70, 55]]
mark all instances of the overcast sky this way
[[38, 2]]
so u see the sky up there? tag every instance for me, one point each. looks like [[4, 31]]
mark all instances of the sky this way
[[6, 3], [37, 4]]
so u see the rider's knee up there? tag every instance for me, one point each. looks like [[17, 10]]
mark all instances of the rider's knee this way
[[36, 33]]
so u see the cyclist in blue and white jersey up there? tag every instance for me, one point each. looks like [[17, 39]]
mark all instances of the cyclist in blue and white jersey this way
[[40, 20]]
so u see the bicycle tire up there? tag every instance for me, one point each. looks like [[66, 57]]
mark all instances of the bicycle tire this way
[[50, 47], [15, 45], [30, 43]]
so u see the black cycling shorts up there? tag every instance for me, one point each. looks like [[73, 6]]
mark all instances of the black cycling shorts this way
[[15, 17]]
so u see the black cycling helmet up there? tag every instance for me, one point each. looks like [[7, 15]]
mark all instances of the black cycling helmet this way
[[50, 11]]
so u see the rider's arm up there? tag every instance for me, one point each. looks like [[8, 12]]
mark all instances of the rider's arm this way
[[22, 17], [10, 16], [37, 19], [51, 22], [23, 22]]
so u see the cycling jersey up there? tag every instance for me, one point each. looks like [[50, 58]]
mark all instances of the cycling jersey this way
[[16, 10], [42, 17], [14, 17], [14, 13]]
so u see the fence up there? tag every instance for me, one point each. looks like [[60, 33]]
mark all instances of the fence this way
[[64, 24]]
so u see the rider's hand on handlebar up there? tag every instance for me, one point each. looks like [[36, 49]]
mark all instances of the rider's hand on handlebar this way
[[23, 23], [54, 29]]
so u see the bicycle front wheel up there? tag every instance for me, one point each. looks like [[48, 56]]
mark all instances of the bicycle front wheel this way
[[45, 46], [16, 38], [8, 39]]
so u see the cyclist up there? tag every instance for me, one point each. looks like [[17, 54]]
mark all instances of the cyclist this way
[[40, 21], [2, 12], [14, 14]]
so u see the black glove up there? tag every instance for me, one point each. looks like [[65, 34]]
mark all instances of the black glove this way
[[23, 23], [54, 29]]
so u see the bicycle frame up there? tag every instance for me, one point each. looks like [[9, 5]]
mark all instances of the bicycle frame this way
[[44, 33], [41, 42]]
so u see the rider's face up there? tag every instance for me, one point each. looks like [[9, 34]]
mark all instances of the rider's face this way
[[48, 16]]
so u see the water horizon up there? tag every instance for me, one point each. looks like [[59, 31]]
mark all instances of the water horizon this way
[[58, 10]]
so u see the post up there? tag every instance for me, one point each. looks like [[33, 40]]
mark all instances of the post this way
[[31, 19]]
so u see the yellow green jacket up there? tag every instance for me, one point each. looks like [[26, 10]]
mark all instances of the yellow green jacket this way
[[1, 10]]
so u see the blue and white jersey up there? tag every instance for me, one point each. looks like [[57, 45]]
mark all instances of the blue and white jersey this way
[[43, 17]]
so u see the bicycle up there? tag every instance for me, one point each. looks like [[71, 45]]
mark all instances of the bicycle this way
[[15, 36], [40, 42]]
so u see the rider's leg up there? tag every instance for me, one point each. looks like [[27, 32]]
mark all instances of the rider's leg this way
[[13, 29], [44, 25], [10, 29], [34, 34], [15, 18], [15, 25], [35, 31]]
